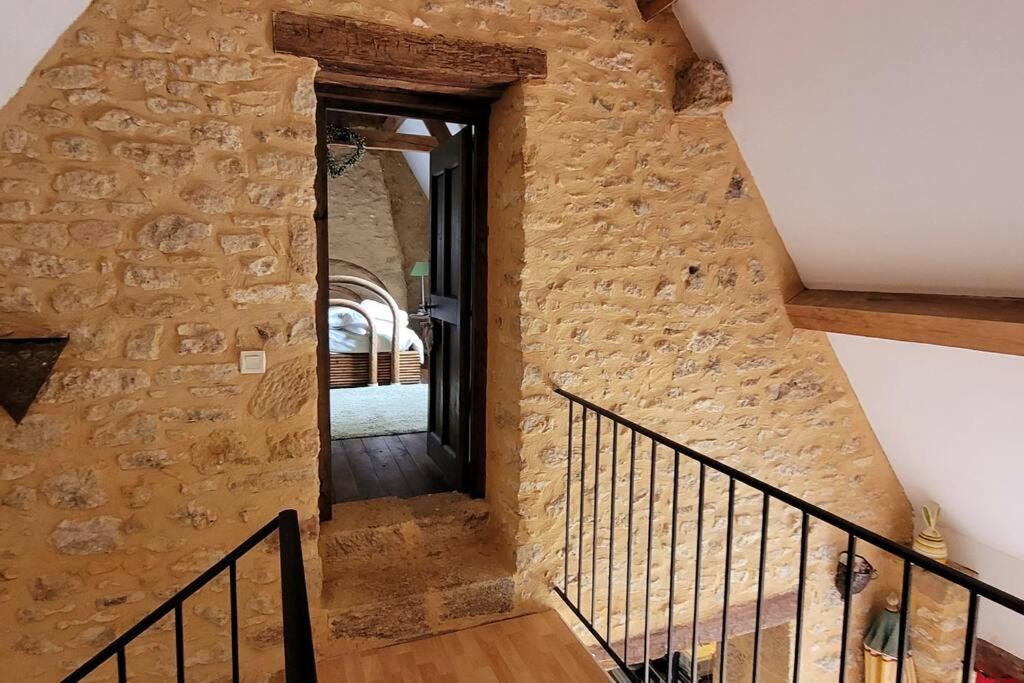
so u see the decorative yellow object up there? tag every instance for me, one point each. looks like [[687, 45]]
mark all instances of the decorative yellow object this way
[[929, 541], [879, 669]]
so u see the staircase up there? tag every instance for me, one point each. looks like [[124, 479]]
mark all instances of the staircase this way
[[400, 569]]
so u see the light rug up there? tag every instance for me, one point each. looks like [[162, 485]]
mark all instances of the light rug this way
[[375, 411]]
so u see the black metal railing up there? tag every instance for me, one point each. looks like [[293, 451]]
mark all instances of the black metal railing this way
[[676, 662], [299, 658]]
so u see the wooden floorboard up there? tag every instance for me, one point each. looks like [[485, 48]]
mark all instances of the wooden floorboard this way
[[537, 648], [362, 469], [415, 446], [342, 478], [388, 473], [406, 465], [378, 466]]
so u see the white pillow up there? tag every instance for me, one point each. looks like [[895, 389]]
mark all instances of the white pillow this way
[[340, 317], [381, 313]]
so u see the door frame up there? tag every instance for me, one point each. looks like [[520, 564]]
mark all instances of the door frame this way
[[466, 110]]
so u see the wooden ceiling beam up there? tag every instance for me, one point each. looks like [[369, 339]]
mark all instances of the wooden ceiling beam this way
[[439, 129], [384, 141], [392, 124], [652, 8], [967, 322]]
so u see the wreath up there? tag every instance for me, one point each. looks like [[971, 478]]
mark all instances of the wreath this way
[[344, 136]]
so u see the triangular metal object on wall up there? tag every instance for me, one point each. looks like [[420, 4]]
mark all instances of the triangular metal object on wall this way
[[25, 365]]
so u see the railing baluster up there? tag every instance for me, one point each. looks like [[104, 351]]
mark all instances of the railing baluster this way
[[972, 625], [179, 642], [611, 527], [699, 554], [583, 488], [299, 654], [629, 540], [568, 501], [855, 534], [904, 614], [724, 651], [851, 549], [233, 582], [593, 539], [801, 592], [650, 547], [765, 503], [672, 561]]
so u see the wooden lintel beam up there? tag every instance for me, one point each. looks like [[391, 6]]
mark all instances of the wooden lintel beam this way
[[439, 129], [652, 8], [348, 48], [394, 142], [983, 323]]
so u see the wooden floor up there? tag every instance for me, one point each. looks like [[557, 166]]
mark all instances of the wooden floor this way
[[380, 466], [537, 648]]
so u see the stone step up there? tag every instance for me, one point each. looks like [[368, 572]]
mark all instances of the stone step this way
[[397, 570], [388, 529]]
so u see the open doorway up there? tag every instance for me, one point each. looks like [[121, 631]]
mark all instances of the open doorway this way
[[403, 301]]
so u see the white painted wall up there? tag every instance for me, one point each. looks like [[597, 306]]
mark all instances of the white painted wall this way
[[997, 625], [952, 423], [28, 31], [886, 140]]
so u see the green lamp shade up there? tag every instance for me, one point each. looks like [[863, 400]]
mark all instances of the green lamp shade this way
[[421, 269]]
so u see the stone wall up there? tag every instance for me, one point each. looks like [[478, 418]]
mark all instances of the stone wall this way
[[378, 225], [156, 195], [156, 180], [410, 211]]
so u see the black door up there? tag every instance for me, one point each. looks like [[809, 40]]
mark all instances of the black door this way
[[451, 226]]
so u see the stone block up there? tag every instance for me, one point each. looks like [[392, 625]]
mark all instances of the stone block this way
[[702, 89], [96, 536], [174, 233]]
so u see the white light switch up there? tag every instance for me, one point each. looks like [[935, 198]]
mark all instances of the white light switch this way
[[252, 362]]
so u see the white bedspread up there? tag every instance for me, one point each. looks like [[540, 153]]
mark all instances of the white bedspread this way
[[349, 334], [343, 341]]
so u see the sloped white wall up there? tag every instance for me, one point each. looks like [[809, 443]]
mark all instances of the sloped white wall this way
[[29, 29]]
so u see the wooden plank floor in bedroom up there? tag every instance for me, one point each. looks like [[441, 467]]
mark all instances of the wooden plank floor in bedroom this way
[[379, 466]]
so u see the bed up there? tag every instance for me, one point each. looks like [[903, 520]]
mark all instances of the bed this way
[[370, 342]]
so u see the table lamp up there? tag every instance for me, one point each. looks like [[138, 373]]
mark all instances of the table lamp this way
[[421, 270]]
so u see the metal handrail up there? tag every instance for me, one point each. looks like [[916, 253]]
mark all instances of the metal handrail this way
[[975, 587], [300, 661]]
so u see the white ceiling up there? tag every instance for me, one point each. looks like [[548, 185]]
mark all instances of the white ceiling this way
[[886, 138], [28, 31]]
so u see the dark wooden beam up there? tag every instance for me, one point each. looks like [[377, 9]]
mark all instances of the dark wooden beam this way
[[404, 103], [439, 129], [997, 662], [967, 322], [394, 142], [392, 124], [652, 8], [776, 610], [380, 55]]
